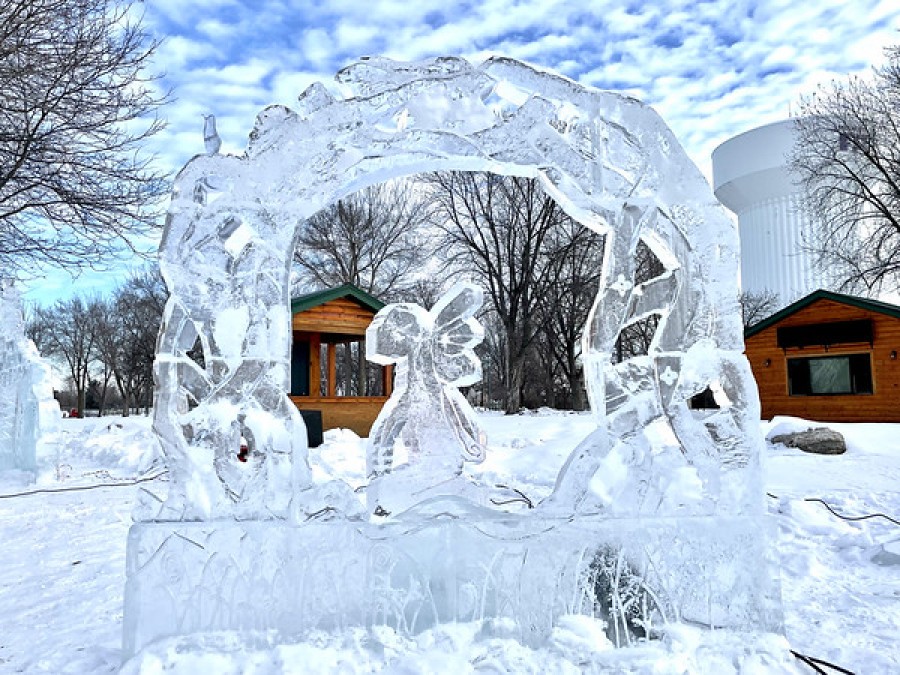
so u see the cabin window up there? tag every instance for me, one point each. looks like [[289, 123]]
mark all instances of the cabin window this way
[[834, 333], [830, 375]]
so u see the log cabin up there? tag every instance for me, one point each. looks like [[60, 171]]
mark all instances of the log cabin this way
[[329, 327], [828, 357]]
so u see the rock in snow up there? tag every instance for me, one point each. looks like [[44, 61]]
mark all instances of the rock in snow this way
[[821, 441]]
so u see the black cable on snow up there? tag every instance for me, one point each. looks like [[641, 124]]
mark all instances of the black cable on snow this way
[[77, 488], [817, 664], [842, 516]]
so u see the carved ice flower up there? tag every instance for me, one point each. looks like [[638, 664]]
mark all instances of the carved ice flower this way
[[621, 286], [669, 376]]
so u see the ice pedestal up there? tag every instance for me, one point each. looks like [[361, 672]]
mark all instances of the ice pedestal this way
[[469, 564], [28, 411]]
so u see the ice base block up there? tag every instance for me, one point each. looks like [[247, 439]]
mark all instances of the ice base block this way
[[428, 568]]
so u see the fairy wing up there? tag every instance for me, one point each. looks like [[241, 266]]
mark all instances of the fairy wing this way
[[456, 332]]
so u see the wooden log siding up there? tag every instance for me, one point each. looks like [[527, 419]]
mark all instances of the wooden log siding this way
[[883, 405], [340, 316], [357, 413]]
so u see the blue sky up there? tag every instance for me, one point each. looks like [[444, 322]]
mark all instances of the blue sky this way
[[711, 68]]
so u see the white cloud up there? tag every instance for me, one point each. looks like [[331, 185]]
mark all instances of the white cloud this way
[[216, 29], [184, 13], [353, 37], [712, 69], [249, 72], [781, 55], [316, 46], [177, 52]]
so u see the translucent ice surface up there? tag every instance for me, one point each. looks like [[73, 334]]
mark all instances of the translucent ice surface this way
[[28, 411], [413, 572], [426, 420], [652, 465], [608, 159]]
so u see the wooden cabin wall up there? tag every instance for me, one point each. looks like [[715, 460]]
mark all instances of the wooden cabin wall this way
[[335, 316], [344, 412], [881, 406]]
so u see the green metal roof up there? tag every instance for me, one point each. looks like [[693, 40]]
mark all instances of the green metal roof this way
[[304, 302], [802, 303]]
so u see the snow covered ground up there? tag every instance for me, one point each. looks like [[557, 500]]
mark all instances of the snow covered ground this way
[[62, 576]]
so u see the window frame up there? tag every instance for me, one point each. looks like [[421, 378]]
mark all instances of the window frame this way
[[861, 374]]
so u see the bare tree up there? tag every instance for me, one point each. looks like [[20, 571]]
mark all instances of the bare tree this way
[[127, 332], [101, 341], [495, 228], [493, 354], [847, 156], [98, 386], [371, 239], [424, 291], [576, 257], [75, 110], [758, 306], [635, 338], [68, 330]]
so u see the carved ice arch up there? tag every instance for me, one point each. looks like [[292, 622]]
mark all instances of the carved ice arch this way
[[609, 161]]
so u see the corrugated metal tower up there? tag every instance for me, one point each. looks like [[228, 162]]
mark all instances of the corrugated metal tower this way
[[751, 177]]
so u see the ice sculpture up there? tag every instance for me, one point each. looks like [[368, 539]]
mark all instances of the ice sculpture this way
[[426, 419], [29, 414], [665, 499], [223, 262]]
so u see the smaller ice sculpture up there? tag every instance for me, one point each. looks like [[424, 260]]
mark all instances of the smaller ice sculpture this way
[[28, 411], [426, 430]]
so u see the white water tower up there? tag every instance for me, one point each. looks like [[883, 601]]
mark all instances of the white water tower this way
[[751, 177]]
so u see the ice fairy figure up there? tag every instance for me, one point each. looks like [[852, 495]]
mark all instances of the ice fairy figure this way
[[426, 430]]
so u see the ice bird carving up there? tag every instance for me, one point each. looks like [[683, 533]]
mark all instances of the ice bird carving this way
[[211, 139]]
